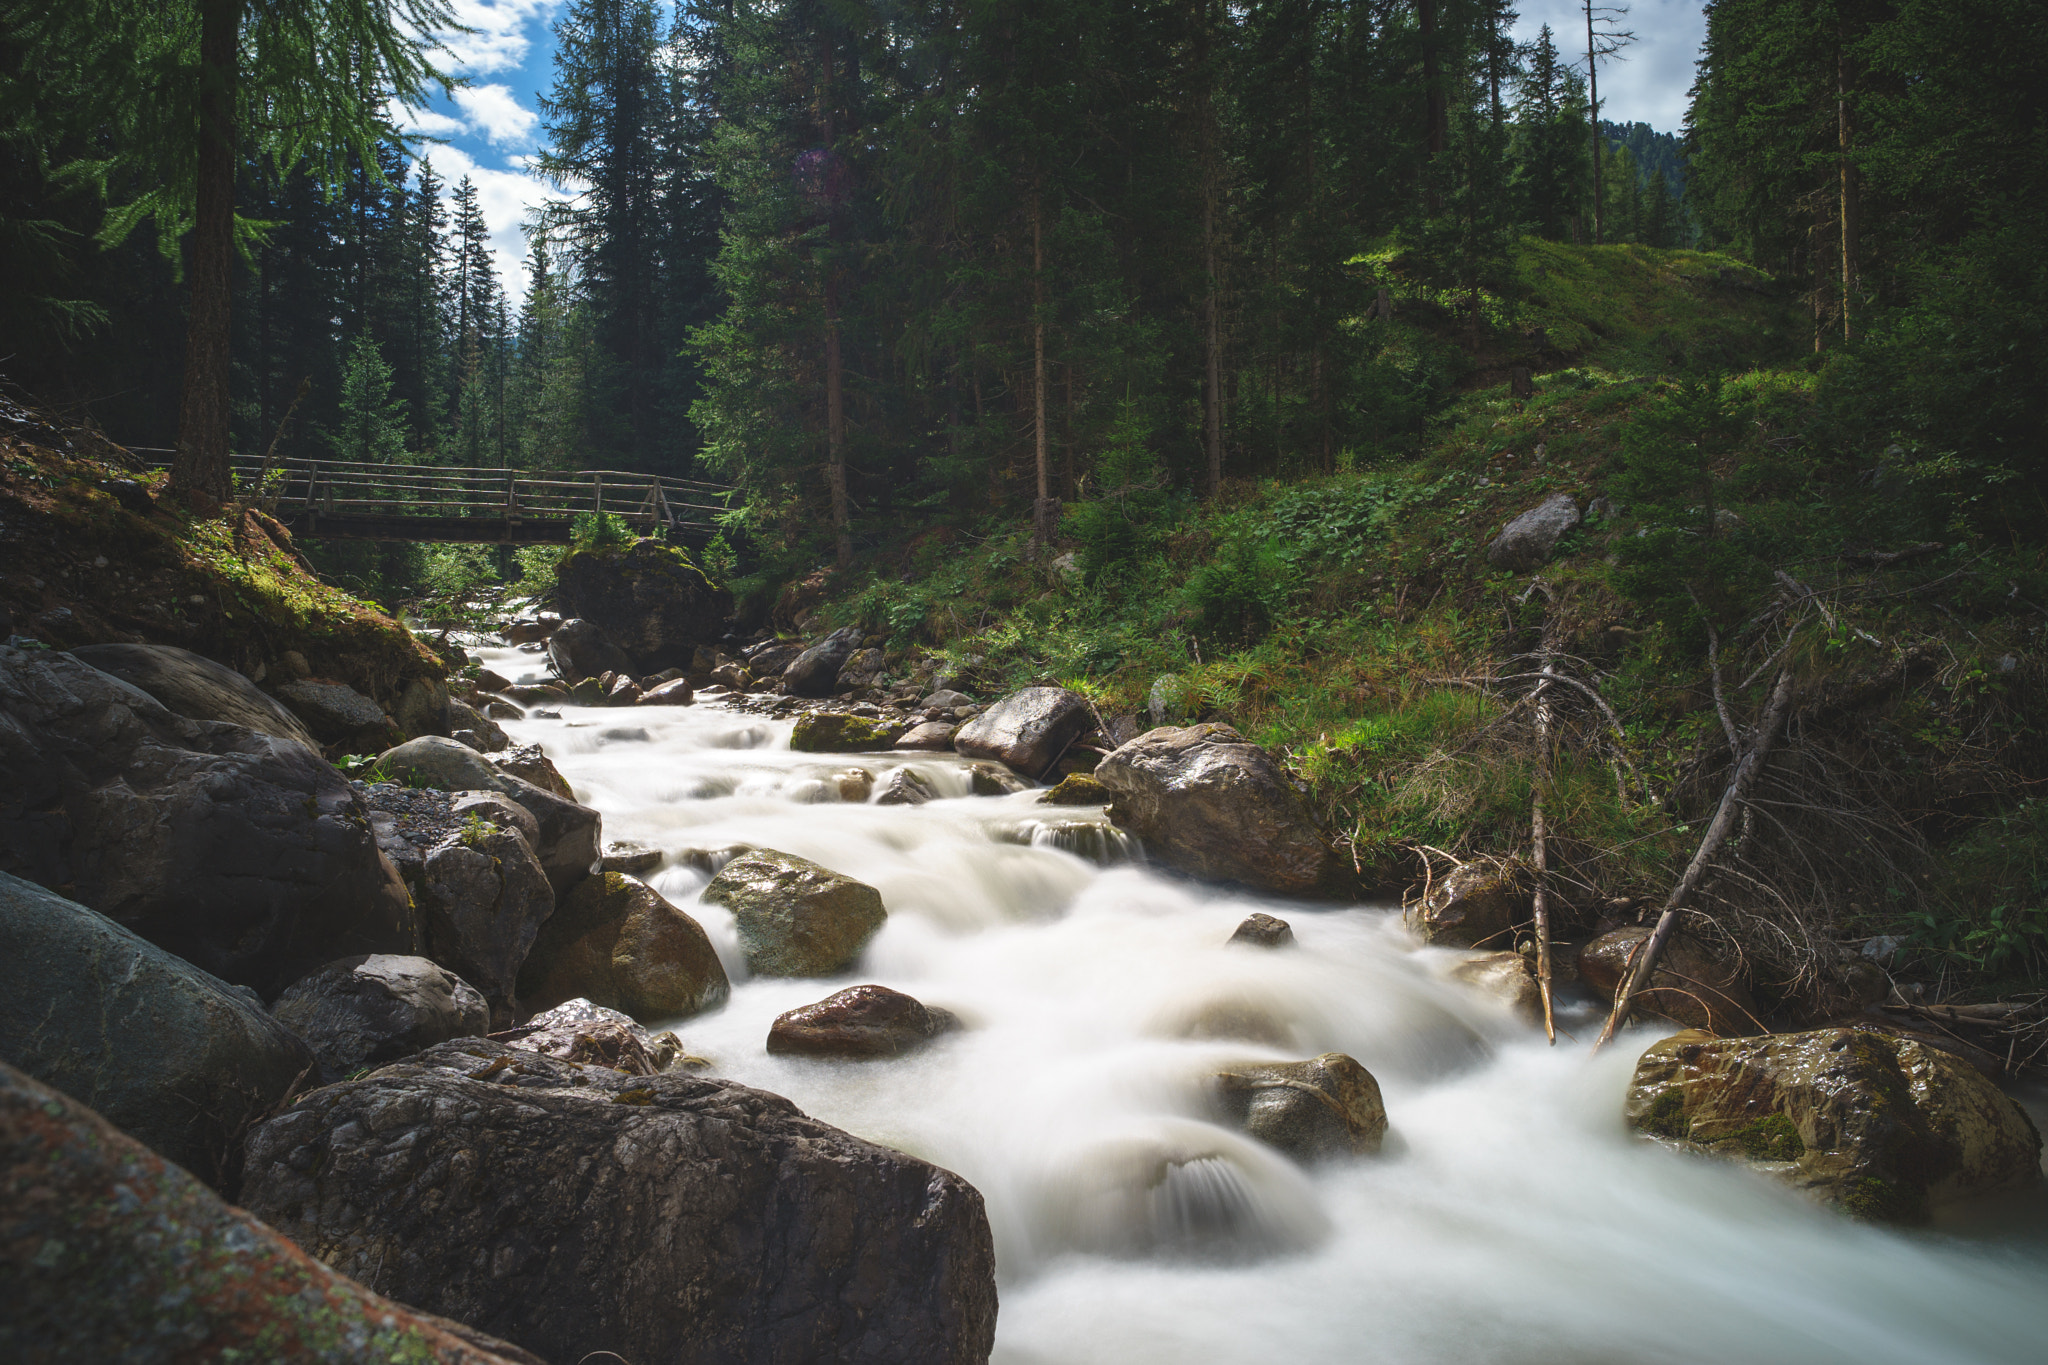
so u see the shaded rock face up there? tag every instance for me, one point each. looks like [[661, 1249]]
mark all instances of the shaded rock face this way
[[1028, 730], [935, 735], [1264, 931], [338, 714], [365, 1011], [445, 764], [796, 918], [906, 787], [243, 854], [1691, 986], [835, 732], [1324, 1107], [705, 1222], [1508, 978], [529, 764], [484, 897], [1077, 789], [473, 729], [859, 1022], [1205, 801], [815, 672], [497, 809], [113, 1253], [616, 942], [649, 598], [1525, 544], [993, 779], [1879, 1126], [581, 649], [178, 1058], [569, 833], [197, 688], [583, 1031], [1475, 905]]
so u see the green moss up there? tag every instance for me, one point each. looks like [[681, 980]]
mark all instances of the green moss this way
[[835, 732], [1770, 1138], [1877, 1199], [1666, 1116]]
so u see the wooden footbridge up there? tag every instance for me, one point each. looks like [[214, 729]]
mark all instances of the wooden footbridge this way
[[351, 500]]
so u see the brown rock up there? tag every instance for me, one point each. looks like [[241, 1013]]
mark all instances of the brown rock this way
[[1508, 978], [1476, 905], [1027, 730], [1077, 789], [796, 918], [616, 941], [860, 1021], [1691, 987], [935, 735], [1326, 1106], [675, 692], [1264, 931]]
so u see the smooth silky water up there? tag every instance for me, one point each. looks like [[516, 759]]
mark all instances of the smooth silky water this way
[[1510, 1217]]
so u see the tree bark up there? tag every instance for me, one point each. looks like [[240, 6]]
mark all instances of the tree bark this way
[[199, 469], [1593, 118], [1042, 509], [1539, 840], [835, 430], [1848, 189]]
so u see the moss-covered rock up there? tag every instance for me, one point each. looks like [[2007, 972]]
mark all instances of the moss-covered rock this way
[[1326, 1106], [617, 942], [1879, 1126], [649, 598], [836, 732], [1077, 789], [796, 918]]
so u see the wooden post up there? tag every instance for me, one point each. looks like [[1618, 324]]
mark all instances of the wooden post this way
[[597, 478]]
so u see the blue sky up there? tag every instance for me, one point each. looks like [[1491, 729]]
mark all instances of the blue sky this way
[[493, 127]]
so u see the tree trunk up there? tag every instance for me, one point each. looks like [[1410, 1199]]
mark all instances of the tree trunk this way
[[1593, 117], [1212, 339], [1848, 190], [1435, 108], [835, 430], [1042, 511], [199, 469]]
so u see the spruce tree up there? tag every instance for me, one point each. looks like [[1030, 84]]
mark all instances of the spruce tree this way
[[369, 422]]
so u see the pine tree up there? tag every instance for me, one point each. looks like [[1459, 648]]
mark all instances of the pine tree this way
[[370, 422]]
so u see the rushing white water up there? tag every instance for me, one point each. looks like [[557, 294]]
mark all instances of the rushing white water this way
[[1510, 1218]]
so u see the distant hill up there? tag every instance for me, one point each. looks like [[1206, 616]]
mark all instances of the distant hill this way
[[1653, 151]]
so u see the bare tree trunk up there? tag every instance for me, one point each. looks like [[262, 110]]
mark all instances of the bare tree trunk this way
[[1748, 764], [199, 469], [1848, 190], [1042, 511], [835, 430], [1593, 120], [1539, 839], [1212, 310]]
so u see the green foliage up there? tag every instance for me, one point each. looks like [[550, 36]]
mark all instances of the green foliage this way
[[370, 425], [1994, 918], [600, 531], [1238, 595]]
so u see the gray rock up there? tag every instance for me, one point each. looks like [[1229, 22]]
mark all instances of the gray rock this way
[[336, 713], [617, 942], [815, 672], [661, 1218], [1028, 730], [932, 735], [993, 779], [580, 649], [583, 1031], [483, 899], [905, 787], [569, 832], [946, 699], [422, 708], [196, 687], [1264, 931], [365, 1011], [623, 855], [498, 809], [175, 1057], [796, 918], [649, 599], [1508, 978], [243, 854], [490, 737], [526, 761], [1327, 1106], [1474, 905], [433, 761], [1526, 543]]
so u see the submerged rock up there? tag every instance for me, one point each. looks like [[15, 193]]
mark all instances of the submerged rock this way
[[616, 941], [704, 1221], [1326, 1106], [1264, 931], [860, 1021], [1028, 730], [1477, 904], [1691, 986], [906, 787], [365, 1011], [112, 1253], [993, 779], [196, 687], [836, 732], [796, 918], [1879, 1126]]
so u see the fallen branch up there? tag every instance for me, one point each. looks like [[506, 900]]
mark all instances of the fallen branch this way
[[1540, 854]]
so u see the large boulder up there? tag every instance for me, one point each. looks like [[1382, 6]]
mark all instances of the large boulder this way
[[241, 853], [176, 1057], [1880, 1126], [836, 732], [652, 601], [582, 649], [1474, 905], [1691, 986], [1205, 801], [365, 1011], [1525, 544], [934, 735], [859, 1022], [196, 687], [483, 898], [660, 1218], [815, 672], [569, 833], [1326, 1106], [473, 729], [443, 764], [109, 1252], [615, 941], [796, 918], [1028, 730], [338, 714]]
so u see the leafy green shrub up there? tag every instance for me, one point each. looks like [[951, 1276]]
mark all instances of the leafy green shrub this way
[[600, 531], [1995, 917], [1237, 596]]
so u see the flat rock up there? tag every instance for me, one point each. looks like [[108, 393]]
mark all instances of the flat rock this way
[[933, 735], [196, 687], [617, 942], [366, 1011], [858, 1022], [836, 732], [1027, 730], [796, 918]]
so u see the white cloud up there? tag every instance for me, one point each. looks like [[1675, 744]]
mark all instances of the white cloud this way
[[504, 197], [430, 123], [496, 113], [502, 33], [1648, 81]]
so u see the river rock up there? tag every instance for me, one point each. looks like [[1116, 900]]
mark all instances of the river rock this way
[[836, 732], [338, 714], [243, 854], [196, 687], [444, 764], [569, 832], [795, 917], [674, 692], [1028, 730], [815, 672], [586, 1032], [1525, 544], [852, 785], [1326, 1106], [483, 899], [993, 779], [860, 1022], [703, 1221], [473, 729], [648, 598], [769, 658], [537, 694], [1077, 789], [176, 1057], [1205, 801], [422, 708], [581, 650], [1507, 977], [527, 762], [532, 630], [1692, 986], [1476, 904], [906, 787], [490, 680], [624, 855], [615, 941], [1264, 931], [1882, 1127], [495, 808], [112, 1253], [365, 1011], [934, 735], [946, 699]]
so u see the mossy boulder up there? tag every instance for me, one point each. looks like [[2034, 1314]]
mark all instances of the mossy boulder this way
[[796, 918], [650, 598], [617, 942], [1475, 905], [1879, 1126], [1077, 789], [1326, 1106], [836, 732]]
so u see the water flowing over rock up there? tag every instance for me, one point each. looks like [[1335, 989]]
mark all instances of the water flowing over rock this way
[[1205, 801], [705, 1222], [584, 1031], [795, 917], [906, 787], [1028, 730], [1691, 986], [648, 598], [836, 732], [177, 1058], [1525, 544], [815, 672], [1264, 931], [616, 941], [860, 1021], [1879, 1126], [112, 1253], [197, 688], [365, 1011], [1476, 904], [933, 735], [1326, 1106], [993, 779], [484, 896], [1508, 978], [582, 649], [243, 854]]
